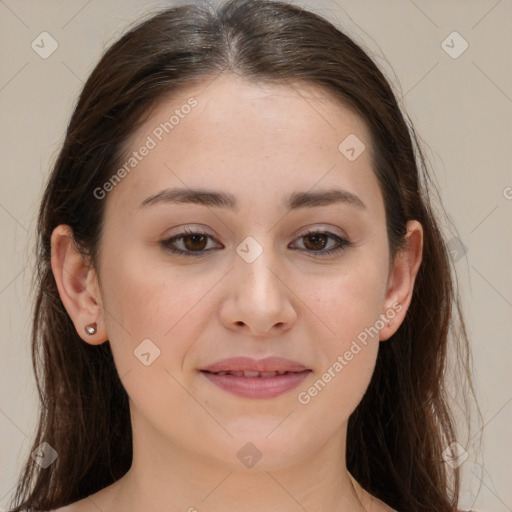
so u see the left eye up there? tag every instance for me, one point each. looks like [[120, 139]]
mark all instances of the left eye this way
[[191, 243], [317, 241]]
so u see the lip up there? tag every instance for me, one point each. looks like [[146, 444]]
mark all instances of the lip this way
[[256, 386], [269, 364]]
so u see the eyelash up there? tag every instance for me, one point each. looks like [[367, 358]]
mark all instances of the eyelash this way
[[343, 244]]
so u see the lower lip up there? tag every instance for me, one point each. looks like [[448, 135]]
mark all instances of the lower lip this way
[[258, 387]]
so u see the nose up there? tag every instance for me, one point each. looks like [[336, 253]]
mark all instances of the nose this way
[[258, 302]]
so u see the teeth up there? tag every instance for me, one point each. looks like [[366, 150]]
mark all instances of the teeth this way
[[252, 374]]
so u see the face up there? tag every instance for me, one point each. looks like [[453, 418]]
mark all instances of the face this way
[[276, 269]]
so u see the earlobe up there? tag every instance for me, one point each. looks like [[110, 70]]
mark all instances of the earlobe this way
[[402, 278], [77, 285]]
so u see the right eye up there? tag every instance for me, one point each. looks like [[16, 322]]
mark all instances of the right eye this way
[[189, 242]]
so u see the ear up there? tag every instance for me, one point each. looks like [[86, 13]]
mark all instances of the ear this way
[[77, 284], [401, 280]]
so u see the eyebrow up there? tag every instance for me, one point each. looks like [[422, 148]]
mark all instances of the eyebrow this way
[[214, 198]]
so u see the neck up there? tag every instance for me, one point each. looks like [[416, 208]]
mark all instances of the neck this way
[[177, 479]]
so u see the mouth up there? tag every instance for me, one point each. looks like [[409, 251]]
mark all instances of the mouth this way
[[254, 384], [252, 374], [249, 367]]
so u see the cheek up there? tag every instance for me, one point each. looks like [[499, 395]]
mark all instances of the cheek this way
[[349, 302], [346, 359], [350, 299], [152, 314], [164, 304]]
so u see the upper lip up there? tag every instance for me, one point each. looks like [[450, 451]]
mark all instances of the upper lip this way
[[269, 364]]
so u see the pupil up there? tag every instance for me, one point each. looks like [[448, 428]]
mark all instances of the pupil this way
[[196, 239], [317, 239]]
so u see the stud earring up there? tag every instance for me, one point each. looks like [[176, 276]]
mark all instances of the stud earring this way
[[91, 328]]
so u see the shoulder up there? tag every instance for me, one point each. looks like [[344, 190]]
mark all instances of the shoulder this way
[[82, 505], [73, 507], [67, 508], [96, 502]]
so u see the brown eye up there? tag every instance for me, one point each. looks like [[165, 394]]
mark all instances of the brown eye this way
[[316, 241], [190, 243], [320, 243], [195, 242]]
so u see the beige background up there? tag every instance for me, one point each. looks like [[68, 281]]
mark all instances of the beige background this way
[[461, 108]]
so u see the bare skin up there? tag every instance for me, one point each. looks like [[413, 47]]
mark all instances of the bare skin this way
[[260, 144]]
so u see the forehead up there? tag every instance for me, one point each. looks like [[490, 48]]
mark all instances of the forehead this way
[[251, 139]]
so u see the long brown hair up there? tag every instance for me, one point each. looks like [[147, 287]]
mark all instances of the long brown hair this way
[[398, 432]]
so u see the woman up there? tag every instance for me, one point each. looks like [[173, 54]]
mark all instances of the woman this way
[[244, 298]]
